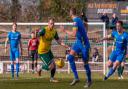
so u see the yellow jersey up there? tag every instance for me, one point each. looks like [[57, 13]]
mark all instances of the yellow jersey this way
[[46, 35]]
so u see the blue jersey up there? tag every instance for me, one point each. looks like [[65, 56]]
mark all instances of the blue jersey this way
[[121, 40], [14, 39], [81, 34]]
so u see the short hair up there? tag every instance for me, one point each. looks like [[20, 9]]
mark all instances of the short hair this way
[[120, 22], [51, 18], [14, 23], [73, 10]]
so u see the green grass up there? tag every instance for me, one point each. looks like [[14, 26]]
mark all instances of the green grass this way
[[32, 81]]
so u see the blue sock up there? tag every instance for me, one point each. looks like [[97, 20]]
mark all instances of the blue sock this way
[[73, 66], [88, 72], [111, 71], [17, 69], [12, 70]]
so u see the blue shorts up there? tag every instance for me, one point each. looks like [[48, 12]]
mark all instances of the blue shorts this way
[[79, 47], [14, 53], [117, 56]]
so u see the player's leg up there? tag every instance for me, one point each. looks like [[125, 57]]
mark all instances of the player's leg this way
[[46, 61], [12, 69], [17, 67], [52, 67], [32, 58], [48, 64], [41, 57], [71, 60], [116, 64], [35, 60], [120, 70], [75, 49], [112, 70], [85, 57], [44, 57], [112, 59], [17, 62], [110, 66], [12, 57]]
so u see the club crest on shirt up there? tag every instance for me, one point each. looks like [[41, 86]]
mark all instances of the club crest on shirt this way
[[122, 37]]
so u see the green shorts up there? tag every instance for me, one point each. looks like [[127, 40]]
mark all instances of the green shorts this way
[[47, 59]]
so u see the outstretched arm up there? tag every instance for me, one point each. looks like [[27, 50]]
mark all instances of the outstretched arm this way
[[105, 38], [59, 41]]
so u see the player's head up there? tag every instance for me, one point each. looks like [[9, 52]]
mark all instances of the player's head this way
[[51, 23], [119, 26], [73, 12], [82, 13], [32, 35], [114, 15], [104, 13], [14, 26]]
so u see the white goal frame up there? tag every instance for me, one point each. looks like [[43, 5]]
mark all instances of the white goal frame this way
[[68, 23]]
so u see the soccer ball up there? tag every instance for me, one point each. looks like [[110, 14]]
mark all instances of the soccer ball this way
[[60, 63]]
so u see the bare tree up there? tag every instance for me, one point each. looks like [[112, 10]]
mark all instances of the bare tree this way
[[15, 10]]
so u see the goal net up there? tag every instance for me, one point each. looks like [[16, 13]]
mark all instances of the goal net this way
[[98, 54]]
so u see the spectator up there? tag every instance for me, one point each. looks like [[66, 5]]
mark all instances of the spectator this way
[[83, 17], [114, 19], [105, 18], [95, 55]]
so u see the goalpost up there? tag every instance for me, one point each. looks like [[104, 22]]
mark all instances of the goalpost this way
[[96, 30], [104, 43]]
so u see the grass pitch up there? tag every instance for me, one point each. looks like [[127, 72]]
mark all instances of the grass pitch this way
[[32, 81]]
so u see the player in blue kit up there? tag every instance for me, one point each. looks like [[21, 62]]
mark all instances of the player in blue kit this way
[[118, 54], [81, 44], [14, 38]]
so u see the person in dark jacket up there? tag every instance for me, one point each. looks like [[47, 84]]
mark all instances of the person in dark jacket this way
[[105, 18], [114, 19]]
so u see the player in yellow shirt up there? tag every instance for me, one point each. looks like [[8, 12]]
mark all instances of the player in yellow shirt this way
[[46, 35]]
